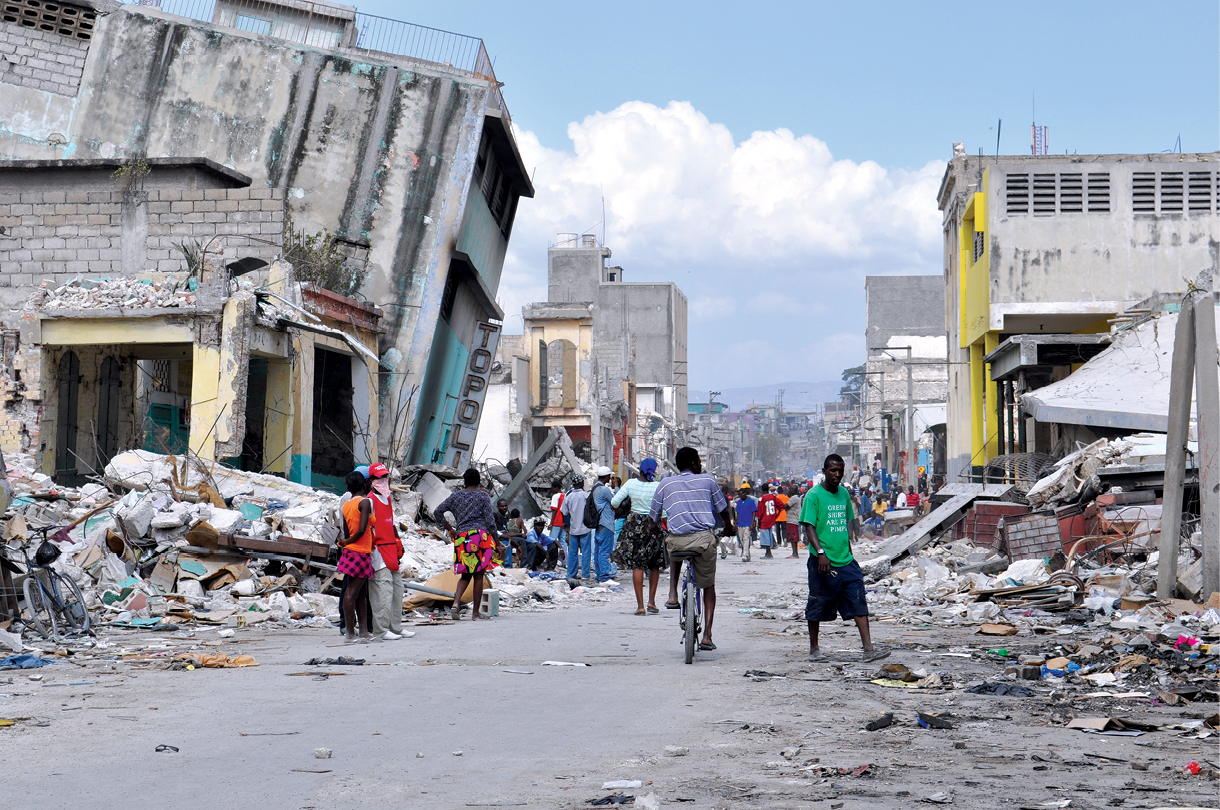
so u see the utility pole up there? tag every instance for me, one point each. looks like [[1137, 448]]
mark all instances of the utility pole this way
[[911, 476]]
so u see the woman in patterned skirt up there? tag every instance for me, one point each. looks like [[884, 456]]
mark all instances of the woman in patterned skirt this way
[[356, 562], [641, 548], [475, 543]]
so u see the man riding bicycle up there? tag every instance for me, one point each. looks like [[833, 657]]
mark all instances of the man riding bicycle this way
[[691, 502]]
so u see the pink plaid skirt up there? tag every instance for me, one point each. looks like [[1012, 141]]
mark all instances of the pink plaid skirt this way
[[355, 564]]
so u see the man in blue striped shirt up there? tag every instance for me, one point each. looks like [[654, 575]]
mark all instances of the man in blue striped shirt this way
[[692, 502]]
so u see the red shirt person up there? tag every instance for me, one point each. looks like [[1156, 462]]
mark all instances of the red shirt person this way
[[769, 508]]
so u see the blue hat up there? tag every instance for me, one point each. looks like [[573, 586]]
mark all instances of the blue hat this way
[[363, 469], [648, 468]]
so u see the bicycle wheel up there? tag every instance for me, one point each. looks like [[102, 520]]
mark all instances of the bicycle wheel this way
[[72, 611], [689, 610], [42, 617]]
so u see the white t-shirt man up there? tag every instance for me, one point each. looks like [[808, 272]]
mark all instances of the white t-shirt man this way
[[901, 503]]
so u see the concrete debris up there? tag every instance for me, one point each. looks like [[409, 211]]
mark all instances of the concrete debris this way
[[119, 292], [169, 542]]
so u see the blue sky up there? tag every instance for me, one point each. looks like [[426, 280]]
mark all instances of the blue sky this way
[[814, 133]]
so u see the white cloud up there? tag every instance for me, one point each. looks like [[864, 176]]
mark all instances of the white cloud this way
[[770, 238]]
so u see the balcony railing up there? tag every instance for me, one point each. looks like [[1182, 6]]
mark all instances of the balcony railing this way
[[344, 29]]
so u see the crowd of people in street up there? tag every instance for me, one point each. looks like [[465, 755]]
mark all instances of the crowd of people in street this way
[[596, 531]]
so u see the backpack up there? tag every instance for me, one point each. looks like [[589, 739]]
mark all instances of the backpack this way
[[593, 516]]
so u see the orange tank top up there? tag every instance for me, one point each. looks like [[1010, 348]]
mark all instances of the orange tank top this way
[[351, 514]]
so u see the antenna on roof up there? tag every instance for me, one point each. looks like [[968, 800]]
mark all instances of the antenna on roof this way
[[998, 128], [1038, 141]]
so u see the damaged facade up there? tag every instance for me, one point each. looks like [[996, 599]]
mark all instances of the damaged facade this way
[[226, 353], [406, 155], [1052, 248]]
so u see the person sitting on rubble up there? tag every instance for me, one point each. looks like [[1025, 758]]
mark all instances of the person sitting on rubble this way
[[355, 563], [504, 550], [474, 545], [532, 549], [836, 583]]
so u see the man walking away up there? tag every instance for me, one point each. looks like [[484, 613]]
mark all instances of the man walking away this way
[[792, 525], [557, 527], [768, 512], [580, 539], [836, 584], [747, 521], [603, 539], [691, 501]]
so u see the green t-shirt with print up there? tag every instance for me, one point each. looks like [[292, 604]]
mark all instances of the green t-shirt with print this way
[[829, 513]]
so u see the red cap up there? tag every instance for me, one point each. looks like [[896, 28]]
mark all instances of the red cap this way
[[378, 471]]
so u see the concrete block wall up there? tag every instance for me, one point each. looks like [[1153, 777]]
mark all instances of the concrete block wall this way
[[1034, 537], [58, 235], [175, 216], [42, 60]]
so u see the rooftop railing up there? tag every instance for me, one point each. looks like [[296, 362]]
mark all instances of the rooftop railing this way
[[342, 28]]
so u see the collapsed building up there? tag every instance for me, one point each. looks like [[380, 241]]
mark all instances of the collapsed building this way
[[387, 143]]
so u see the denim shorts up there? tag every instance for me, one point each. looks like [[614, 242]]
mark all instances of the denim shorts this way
[[839, 590]]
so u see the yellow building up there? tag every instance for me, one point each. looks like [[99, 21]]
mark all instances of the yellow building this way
[[1049, 247]]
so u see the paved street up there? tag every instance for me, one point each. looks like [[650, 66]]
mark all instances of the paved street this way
[[551, 738]]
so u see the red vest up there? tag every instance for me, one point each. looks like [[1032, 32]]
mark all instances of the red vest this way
[[384, 539]]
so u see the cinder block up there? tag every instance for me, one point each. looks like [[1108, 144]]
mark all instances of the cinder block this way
[[182, 208], [192, 194]]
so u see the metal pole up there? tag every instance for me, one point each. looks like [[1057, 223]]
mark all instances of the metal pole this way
[[910, 423], [1181, 380], [1207, 403]]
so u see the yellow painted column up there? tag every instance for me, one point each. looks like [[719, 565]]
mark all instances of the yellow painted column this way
[[277, 432], [990, 342], [978, 424], [300, 467], [205, 384]]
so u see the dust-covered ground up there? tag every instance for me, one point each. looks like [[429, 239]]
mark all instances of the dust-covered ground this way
[[467, 715]]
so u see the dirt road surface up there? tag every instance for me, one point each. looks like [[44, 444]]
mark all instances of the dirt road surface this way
[[467, 715]]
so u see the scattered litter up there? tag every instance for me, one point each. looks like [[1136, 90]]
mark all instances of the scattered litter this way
[[322, 753], [623, 784], [562, 664], [161, 749], [884, 721]]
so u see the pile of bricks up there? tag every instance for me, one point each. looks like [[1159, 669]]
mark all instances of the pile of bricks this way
[[1033, 537]]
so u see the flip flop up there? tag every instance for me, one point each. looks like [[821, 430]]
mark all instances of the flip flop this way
[[817, 656], [876, 655], [673, 606], [706, 645], [640, 612], [653, 609]]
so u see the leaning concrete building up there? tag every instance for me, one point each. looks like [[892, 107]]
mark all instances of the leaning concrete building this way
[[392, 137], [1040, 253]]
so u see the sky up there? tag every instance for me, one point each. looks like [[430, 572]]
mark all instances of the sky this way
[[767, 156]]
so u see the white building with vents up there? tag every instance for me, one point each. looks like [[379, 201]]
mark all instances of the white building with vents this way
[[1040, 253]]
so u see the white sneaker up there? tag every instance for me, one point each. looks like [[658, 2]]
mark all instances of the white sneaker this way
[[407, 634], [390, 636]]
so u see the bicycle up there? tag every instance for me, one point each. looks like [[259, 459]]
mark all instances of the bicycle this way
[[50, 597], [690, 600]]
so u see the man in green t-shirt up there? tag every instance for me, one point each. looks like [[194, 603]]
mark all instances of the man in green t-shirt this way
[[836, 584]]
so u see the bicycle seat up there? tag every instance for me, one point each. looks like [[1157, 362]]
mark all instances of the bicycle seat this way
[[685, 555]]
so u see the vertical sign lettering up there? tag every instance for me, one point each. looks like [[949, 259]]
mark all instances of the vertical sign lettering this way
[[471, 395]]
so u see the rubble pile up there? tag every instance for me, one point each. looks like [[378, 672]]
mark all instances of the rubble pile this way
[[122, 292], [171, 542]]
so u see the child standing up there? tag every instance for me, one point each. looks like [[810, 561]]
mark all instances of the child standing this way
[[355, 563]]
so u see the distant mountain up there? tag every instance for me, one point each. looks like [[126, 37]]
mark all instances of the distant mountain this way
[[798, 396]]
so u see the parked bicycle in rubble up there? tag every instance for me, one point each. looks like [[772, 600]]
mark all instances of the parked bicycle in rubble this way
[[54, 605]]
